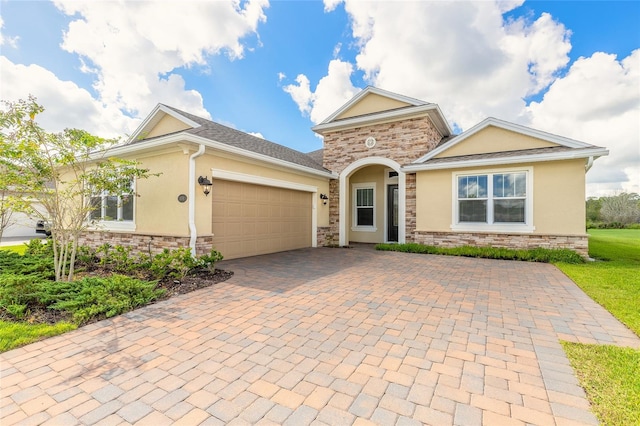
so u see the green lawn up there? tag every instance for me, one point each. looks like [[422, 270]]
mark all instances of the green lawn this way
[[13, 335], [20, 249], [609, 374], [613, 280]]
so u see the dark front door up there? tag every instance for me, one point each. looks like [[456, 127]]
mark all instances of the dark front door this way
[[392, 213]]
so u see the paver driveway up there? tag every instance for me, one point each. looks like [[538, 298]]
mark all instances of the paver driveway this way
[[326, 336]]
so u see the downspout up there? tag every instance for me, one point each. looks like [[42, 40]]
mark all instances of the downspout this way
[[193, 232], [589, 164]]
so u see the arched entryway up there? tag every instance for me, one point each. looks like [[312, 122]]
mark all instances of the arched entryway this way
[[373, 206]]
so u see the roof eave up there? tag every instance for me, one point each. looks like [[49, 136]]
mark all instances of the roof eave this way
[[555, 156], [491, 121], [439, 122], [188, 137]]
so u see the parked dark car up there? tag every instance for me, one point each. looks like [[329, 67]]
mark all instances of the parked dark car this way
[[43, 227]]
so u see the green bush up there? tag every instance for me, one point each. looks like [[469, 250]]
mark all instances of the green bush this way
[[91, 298], [209, 260], [14, 263], [530, 255], [17, 292]]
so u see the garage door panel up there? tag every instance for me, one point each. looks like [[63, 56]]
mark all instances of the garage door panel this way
[[251, 219]]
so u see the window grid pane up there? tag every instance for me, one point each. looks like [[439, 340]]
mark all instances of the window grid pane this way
[[506, 203]]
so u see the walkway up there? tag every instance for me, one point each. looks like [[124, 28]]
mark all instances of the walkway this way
[[326, 336]]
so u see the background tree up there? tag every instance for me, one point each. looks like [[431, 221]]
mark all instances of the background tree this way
[[623, 208], [593, 209], [60, 172]]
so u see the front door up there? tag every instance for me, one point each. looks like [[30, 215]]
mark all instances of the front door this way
[[392, 213]]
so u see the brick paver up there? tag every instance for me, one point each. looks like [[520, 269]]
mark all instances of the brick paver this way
[[326, 336]]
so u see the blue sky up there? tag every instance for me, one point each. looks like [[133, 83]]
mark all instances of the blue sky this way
[[276, 69]]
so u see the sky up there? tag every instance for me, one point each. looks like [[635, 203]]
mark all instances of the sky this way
[[275, 69]]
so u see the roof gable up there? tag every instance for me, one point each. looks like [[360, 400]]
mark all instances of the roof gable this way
[[189, 127], [493, 135], [372, 105], [163, 120]]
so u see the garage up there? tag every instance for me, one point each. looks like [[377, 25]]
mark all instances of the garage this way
[[250, 220]]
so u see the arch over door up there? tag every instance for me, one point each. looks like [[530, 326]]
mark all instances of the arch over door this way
[[250, 220]]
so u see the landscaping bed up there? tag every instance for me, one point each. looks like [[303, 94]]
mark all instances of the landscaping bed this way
[[109, 281]]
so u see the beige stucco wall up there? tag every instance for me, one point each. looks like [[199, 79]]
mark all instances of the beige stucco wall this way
[[368, 174], [166, 125], [158, 210], [372, 103], [494, 139], [558, 197]]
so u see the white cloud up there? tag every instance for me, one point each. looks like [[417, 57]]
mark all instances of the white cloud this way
[[332, 91], [134, 48], [462, 55], [598, 102], [474, 63], [6, 40], [66, 105], [256, 134]]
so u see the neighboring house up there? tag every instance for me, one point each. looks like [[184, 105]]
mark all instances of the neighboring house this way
[[390, 170]]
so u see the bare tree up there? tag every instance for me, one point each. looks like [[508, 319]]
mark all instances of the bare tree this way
[[622, 208]]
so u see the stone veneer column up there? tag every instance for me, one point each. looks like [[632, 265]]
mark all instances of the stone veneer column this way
[[333, 233], [410, 206]]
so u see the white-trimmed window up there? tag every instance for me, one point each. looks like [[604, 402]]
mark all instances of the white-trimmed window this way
[[108, 207], [364, 207], [499, 200]]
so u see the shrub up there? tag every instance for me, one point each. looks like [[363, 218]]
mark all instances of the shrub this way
[[531, 255], [91, 298], [209, 260], [14, 263], [17, 292]]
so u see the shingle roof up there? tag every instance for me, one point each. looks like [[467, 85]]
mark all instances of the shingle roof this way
[[506, 154], [317, 155], [232, 137]]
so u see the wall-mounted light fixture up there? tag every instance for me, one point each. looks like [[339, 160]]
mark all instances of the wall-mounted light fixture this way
[[324, 198], [206, 185]]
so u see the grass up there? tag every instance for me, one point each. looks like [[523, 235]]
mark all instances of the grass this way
[[610, 375], [13, 335], [613, 280], [20, 249]]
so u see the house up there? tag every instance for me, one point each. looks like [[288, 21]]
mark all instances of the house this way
[[391, 170]]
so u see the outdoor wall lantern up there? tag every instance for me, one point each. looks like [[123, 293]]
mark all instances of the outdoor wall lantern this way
[[324, 198], [206, 185]]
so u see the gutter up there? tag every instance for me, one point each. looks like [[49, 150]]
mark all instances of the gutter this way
[[193, 232]]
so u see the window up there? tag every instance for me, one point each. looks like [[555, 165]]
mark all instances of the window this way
[[364, 215], [493, 199], [110, 207]]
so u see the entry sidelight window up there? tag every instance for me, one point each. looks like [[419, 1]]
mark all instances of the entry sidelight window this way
[[364, 205]]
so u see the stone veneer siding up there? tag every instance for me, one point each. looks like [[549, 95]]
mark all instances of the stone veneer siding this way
[[578, 243], [410, 205], [142, 243], [402, 141], [332, 232], [324, 236]]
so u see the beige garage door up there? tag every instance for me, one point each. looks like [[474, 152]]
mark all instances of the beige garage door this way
[[252, 219]]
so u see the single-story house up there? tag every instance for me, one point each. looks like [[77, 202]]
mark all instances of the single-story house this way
[[391, 170]]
